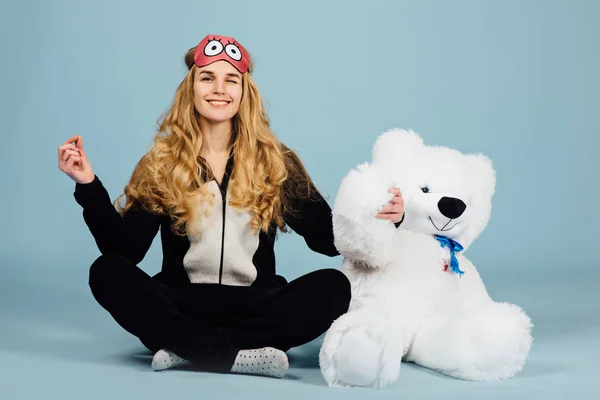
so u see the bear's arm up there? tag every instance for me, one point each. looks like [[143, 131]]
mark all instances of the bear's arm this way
[[359, 235]]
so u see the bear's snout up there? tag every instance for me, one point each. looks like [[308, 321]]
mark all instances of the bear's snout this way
[[451, 207]]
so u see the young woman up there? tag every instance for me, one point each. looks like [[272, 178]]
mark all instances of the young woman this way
[[218, 184]]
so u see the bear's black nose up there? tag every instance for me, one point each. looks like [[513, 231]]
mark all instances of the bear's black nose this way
[[451, 207]]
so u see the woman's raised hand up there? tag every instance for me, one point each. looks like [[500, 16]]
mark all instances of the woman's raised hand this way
[[73, 161]]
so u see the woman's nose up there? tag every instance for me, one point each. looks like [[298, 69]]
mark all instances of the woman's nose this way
[[219, 87]]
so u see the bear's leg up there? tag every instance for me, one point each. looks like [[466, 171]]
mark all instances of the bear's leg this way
[[362, 348], [486, 344]]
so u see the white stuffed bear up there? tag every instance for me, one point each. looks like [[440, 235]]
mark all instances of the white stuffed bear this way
[[415, 296]]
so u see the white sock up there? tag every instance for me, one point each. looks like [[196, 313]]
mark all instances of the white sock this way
[[165, 359], [266, 361]]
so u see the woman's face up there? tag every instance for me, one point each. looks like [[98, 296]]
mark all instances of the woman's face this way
[[217, 91]]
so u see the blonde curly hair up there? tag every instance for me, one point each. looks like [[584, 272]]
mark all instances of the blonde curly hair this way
[[169, 179]]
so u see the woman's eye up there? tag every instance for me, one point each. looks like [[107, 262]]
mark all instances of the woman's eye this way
[[425, 189]]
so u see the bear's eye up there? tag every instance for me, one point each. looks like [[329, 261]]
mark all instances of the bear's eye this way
[[425, 189]]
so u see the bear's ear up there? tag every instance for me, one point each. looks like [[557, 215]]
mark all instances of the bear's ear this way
[[395, 144], [482, 174]]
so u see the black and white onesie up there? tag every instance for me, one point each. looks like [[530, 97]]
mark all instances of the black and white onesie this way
[[217, 292]]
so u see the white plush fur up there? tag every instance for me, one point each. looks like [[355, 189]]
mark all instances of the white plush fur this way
[[404, 304]]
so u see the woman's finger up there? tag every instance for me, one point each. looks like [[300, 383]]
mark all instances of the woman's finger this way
[[390, 216], [69, 152], [76, 161], [72, 139], [68, 146], [79, 144], [66, 153], [69, 163], [61, 150], [392, 208], [397, 200]]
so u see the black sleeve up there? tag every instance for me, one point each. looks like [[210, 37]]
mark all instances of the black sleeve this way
[[130, 235], [312, 219], [397, 224]]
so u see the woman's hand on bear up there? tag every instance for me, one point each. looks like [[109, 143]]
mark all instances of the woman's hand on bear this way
[[394, 210]]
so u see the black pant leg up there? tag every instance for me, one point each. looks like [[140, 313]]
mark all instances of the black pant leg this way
[[148, 310], [296, 313]]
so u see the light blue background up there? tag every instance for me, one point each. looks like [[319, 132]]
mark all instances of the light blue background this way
[[516, 80]]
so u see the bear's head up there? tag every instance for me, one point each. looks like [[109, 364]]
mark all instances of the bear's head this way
[[445, 192]]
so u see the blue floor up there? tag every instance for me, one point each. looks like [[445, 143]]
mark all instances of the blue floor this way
[[62, 345]]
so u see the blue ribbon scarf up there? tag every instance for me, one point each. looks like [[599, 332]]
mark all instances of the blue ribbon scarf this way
[[453, 246]]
